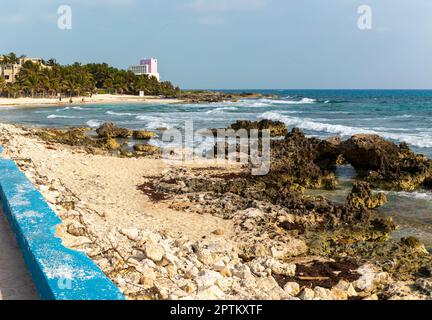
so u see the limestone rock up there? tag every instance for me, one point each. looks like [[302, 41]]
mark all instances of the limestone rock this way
[[307, 294], [370, 279], [292, 289], [132, 233], [323, 294], [154, 251]]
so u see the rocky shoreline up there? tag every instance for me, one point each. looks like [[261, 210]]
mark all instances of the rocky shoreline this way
[[215, 96], [268, 239]]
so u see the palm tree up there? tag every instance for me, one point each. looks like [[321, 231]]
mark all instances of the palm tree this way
[[30, 77], [2, 85], [50, 78], [12, 89]]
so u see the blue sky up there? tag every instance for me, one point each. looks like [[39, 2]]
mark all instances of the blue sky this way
[[236, 43]]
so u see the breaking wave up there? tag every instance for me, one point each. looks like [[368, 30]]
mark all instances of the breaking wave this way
[[112, 113], [418, 140], [153, 123], [94, 123], [222, 109], [55, 116]]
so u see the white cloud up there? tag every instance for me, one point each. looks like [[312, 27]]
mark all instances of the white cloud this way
[[227, 5]]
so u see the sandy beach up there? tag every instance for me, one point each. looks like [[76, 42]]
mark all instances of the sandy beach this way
[[95, 99], [157, 236]]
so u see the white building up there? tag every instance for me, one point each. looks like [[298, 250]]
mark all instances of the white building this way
[[146, 67]]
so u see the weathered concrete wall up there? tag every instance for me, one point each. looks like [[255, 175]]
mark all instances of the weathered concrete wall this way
[[58, 272]]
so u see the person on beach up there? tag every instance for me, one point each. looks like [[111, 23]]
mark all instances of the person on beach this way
[[70, 100]]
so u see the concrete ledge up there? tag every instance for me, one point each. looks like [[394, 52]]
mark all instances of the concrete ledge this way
[[59, 273]]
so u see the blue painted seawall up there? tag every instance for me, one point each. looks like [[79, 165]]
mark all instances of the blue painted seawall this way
[[59, 273]]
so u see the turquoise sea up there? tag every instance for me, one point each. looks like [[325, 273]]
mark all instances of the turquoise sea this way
[[397, 115]]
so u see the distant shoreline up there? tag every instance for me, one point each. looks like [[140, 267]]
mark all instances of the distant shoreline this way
[[95, 99]]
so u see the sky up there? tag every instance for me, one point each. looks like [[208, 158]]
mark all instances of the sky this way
[[236, 44]]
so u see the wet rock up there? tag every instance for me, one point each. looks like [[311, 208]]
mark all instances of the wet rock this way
[[362, 197], [110, 130], [276, 128], [143, 135], [385, 164]]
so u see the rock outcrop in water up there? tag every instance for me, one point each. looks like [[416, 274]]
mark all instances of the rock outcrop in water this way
[[385, 164], [311, 162], [276, 128], [362, 196], [212, 96], [111, 130]]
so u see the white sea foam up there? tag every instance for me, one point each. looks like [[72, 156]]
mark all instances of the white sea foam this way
[[413, 195], [153, 122], [55, 116], [274, 101], [94, 123], [221, 110], [418, 140], [112, 113]]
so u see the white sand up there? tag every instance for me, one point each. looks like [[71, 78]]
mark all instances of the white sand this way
[[95, 99]]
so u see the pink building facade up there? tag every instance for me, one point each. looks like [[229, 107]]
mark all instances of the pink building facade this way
[[151, 63], [148, 66]]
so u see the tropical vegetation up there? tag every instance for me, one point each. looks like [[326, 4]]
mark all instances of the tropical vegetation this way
[[50, 79]]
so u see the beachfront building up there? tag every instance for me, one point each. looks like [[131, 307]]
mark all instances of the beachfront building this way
[[10, 71], [146, 67]]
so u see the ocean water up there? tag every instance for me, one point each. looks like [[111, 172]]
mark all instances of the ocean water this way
[[397, 115]]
